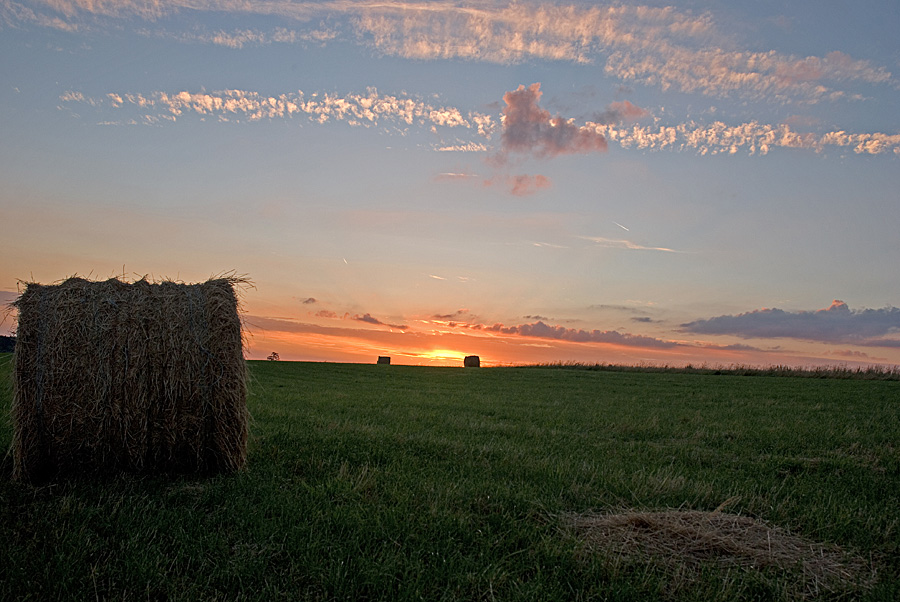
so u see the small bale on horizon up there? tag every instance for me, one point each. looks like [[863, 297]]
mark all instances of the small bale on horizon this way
[[383, 359], [472, 361], [114, 376]]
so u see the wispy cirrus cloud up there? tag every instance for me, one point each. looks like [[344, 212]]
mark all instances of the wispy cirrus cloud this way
[[661, 47], [616, 243], [722, 73], [453, 175], [238, 38], [834, 324]]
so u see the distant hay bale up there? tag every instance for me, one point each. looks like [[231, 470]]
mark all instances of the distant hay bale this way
[[383, 359], [472, 361], [115, 376]]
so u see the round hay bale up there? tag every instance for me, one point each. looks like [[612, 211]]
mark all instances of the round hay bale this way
[[115, 376]]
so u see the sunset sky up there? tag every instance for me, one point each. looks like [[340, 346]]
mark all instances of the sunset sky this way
[[655, 182]]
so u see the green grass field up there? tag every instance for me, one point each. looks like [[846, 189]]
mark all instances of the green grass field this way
[[373, 482]]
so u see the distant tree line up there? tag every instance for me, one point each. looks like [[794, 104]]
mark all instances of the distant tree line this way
[[7, 344]]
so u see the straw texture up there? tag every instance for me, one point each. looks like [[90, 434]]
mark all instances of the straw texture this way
[[683, 540], [116, 376]]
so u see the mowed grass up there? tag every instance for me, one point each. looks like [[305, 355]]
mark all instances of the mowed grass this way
[[370, 482]]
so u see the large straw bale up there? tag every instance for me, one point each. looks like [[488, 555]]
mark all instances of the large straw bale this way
[[117, 376]]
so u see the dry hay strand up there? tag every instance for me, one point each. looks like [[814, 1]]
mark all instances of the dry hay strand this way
[[115, 376], [683, 543]]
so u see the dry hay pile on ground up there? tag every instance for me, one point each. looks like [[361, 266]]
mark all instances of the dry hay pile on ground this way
[[682, 543], [117, 376]]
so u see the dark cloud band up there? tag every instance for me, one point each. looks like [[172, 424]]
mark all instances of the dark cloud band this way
[[835, 324]]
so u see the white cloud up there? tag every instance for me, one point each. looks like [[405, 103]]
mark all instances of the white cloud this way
[[467, 147], [367, 109], [751, 137]]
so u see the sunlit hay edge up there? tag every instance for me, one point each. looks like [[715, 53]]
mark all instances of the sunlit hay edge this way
[[114, 376], [683, 542]]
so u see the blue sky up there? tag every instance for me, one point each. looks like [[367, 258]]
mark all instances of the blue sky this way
[[627, 182]]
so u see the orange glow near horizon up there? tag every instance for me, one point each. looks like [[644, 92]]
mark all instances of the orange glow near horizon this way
[[449, 346], [495, 349], [435, 341]]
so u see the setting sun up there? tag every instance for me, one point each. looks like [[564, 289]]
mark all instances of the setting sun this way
[[444, 357]]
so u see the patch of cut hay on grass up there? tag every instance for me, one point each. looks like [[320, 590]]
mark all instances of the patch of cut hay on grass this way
[[115, 376], [682, 543]]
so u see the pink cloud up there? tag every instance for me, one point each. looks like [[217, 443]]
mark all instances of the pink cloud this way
[[529, 129], [620, 111], [520, 184]]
